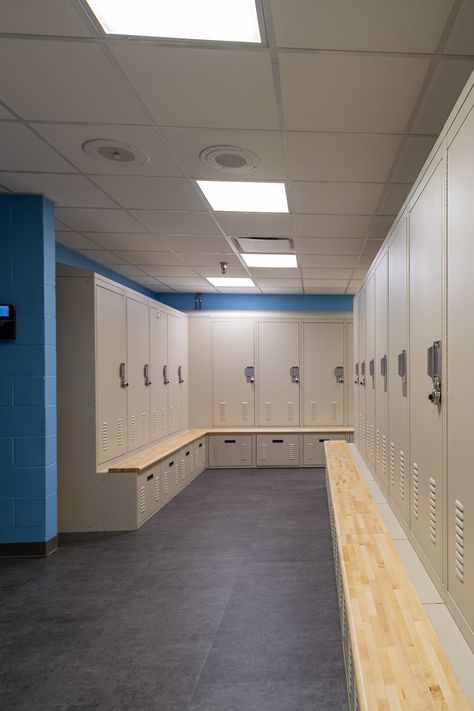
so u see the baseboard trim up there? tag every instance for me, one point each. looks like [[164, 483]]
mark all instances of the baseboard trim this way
[[34, 549]]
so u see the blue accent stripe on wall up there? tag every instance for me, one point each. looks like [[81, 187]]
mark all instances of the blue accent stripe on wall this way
[[259, 302]]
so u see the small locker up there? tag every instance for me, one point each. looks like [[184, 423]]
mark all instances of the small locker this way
[[233, 367], [147, 503], [313, 448], [186, 464], [170, 477], [200, 456], [231, 451], [323, 373], [278, 450], [278, 373]]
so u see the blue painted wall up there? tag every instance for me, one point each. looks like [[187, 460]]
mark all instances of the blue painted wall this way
[[28, 474], [259, 302]]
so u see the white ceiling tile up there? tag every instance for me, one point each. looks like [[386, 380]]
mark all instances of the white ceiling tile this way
[[63, 190], [323, 283], [281, 289], [335, 198], [326, 261], [4, 113], [214, 270], [461, 39], [48, 17], [177, 223], [74, 241], [413, 155], [349, 92], [251, 290], [324, 290], [127, 270], [187, 143], [144, 259], [197, 244], [275, 273], [60, 226], [97, 220], [380, 226], [180, 282], [3, 189], [284, 283], [64, 81], [254, 225], [102, 256], [376, 25], [337, 226], [341, 157], [69, 139], [22, 150], [354, 286], [394, 198], [219, 88], [148, 281], [446, 84], [146, 193], [204, 259], [364, 262], [320, 273], [371, 247], [161, 288], [359, 274], [128, 241], [164, 271], [330, 246]]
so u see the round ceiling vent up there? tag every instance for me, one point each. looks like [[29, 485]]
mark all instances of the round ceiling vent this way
[[230, 159], [109, 151]]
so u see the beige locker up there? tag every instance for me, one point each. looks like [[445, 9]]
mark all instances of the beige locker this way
[[348, 380], [111, 375], [200, 455], [381, 372], [186, 465], [158, 363], [234, 451], [356, 371], [399, 475], [370, 429], [278, 379], [176, 372], [233, 351], [147, 504], [362, 443], [313, 448], [460, 516], [426, 223], [138, 373], [323, 387], [278, 450], [170, 479]]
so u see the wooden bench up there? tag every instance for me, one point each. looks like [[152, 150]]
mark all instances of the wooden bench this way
[[393, 657]]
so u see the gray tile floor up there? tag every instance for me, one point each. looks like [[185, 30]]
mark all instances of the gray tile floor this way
[[224, 601]]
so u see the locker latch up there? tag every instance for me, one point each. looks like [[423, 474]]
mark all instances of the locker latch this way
[[295, 374], [362, 373], [146, 374], [123, 375], [356, 370], [434, 371], [180, 376], [165, 375], [372, 367], [402, 365], [250, 374], [383, 366], [339, 373]]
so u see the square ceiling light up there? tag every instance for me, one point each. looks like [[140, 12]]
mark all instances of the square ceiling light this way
[[231, 282], [233, 196], [211, 20], [273, 261]]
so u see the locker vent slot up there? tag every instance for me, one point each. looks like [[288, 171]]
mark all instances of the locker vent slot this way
[[120, 432], [291, 411], [222, 411], [459, 541], [144, 424], [104, 437], [310, 450], [392, 464], [263, 452], [162, 421], [178, 413], [165, 483], [313, 411], [402, 474], [268, 411], [171, 416], [372, 440], [367, 435], [154, 422], [157, 489], [216, 453], [415, 491], [432, 517], [384, 454], [244, 409], [142, 499], [292, 451], [133, 428], [377, 447], [177, 476], [244, 452], [333, 410], [349, 671]]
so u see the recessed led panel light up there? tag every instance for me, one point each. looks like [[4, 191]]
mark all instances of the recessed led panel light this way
[[212, 20], [236, 282], [232, 196], [275, 261]]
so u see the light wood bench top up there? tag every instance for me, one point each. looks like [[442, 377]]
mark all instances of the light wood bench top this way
[[398, 660]]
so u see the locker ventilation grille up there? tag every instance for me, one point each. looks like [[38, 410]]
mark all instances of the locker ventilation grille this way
[[334, 410], [384, 454], [415, 491], [392, 464], [133, 428], [144, 424], [120, 432], [216, 453], [377, 447], [157, 489], [268, 411], [263, 452], [402, 474], [432, 517], [222, 411], [291, 411], [142, 499], [244, 453], [372, 440], [176, 467], [171, 417], [165, 483], [459, 541], [292, 451], [244, 409], [310, 451], [349, 671], [162, 421], [154, 422], [104, 437], [313, 411]]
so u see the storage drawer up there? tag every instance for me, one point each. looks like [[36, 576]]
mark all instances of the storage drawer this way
[[200, 456], [231, 451], [186, 464], [313, 448], [147, 484], [278, 450], [170, 479]]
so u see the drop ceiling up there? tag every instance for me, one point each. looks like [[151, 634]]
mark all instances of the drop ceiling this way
[[343, 102]]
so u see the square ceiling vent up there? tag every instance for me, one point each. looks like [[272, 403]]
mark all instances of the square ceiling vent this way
[[264, 245]]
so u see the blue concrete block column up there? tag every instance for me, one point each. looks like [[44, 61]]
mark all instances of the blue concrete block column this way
[[28, 473]]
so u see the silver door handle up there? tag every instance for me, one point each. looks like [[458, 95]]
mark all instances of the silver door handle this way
[[180, 379], [165, 375], [250, 374], [146, 374], [123, 375], [295, 374]]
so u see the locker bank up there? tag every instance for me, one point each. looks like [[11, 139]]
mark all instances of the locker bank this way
[[235, 355]]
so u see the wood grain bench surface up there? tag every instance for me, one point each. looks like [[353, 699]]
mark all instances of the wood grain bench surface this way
[[398, 660]]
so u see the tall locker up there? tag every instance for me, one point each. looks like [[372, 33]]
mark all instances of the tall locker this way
[[356, 371], [176, 372], [362, 372], [158, 364], [138, 373], [278, 373], [370, 372], [323, 385], [426, 222], [381, 371], [111, 378], [233, 353], [399, 483], [347, 377], [460, 362]]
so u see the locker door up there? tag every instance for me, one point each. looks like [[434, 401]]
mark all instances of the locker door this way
[[278, 393], [362, 445], [233, 350], [426, 431], [111, 395], [158, 360], [348, 379], [460, 363], [399, 483], [138, 359], [323, 352], [356, 372], [381, 377], [369, 368], [177, 372]]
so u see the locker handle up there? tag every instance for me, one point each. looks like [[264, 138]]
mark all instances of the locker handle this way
[[295, 374], [171, 464], [149, 477], [230, 441], [200, 445], [165, 375], [277, 441], [146, 374], [187, 454], [327, 439], [180, 379], [123, 375]]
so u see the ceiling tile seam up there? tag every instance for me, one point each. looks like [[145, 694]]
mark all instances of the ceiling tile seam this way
[[437, 55]]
